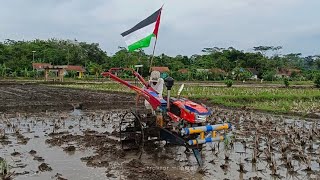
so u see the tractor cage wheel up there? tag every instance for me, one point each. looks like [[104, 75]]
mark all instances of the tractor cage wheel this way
[[131, 131]]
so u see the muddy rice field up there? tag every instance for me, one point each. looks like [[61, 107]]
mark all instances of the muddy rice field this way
[[58, 133]]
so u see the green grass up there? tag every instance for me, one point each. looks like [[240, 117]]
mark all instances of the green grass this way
[[278, 100], [310, 83], [278, 82]]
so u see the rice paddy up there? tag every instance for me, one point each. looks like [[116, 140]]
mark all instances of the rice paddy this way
[[302, 101]]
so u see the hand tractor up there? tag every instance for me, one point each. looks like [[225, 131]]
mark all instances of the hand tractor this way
[[177, 121]]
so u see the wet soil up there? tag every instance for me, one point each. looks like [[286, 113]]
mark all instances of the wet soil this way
[[30, 97], [73, 153], [59, 143], [265, 147], [44, 167]]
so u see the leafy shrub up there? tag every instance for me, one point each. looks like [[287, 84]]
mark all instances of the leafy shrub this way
[[310, 75], [241, 74], [229, 82], [71, 74], [269, 75], [294, 74], [180, 76], [286, 82], [201, 76], [13, 74], [215, 76], [317, 80], [246, 75]]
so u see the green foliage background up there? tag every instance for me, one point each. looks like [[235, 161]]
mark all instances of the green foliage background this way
[[16, 58]]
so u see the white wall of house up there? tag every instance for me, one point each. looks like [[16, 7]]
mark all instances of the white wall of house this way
[[254, 77]]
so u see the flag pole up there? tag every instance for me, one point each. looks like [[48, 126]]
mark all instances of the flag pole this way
[[154, 48], [155, 44]]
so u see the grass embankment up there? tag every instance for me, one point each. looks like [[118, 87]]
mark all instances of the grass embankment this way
[[279, 100]]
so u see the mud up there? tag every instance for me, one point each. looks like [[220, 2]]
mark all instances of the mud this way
[[93, 142], [29, 97], [84, 144], [44, 167]]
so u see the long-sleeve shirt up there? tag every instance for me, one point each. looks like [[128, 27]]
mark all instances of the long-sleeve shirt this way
[[158, 88]]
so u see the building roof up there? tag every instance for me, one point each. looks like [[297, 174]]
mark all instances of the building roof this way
[[39, 66], [218, 71], [53, 68], [253, 71], [75, 68], [160, 69], [183, 71], [287, 72], [203, 70]]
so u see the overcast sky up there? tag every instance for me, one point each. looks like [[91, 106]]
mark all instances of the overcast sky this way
[[186, 27]]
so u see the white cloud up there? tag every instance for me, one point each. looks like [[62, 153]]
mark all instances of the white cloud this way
[[186, 27]]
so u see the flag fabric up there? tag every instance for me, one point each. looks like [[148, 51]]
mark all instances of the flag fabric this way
[[141, 34]]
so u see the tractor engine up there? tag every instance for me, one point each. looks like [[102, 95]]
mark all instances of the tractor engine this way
[[189, 111]]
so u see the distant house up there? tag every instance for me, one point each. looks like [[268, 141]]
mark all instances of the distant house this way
[[286, 73], [203, 70], [183, 71], [218, 71], [217, 74], [79, 69], [40, 66], [160, 69], [164, 71], [57, 70], [60, 70], [254, 72]]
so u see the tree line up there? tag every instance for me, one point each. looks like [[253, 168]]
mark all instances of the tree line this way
[[16, 59]]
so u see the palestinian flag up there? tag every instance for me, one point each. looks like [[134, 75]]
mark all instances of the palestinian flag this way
[[141, 34]]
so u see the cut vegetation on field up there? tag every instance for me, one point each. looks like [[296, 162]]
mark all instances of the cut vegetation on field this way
[[303, 101]]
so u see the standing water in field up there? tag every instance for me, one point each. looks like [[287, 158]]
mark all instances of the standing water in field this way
[[84, 145]]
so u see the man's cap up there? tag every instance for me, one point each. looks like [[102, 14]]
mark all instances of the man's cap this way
[[155, 75]]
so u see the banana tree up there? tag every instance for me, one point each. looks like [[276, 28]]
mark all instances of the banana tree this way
[[4, 70], [25, 72]]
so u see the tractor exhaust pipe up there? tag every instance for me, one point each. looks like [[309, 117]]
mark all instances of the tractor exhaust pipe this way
[[169, 83]]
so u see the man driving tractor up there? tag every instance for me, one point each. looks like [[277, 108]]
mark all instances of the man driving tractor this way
[[156, 82]]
